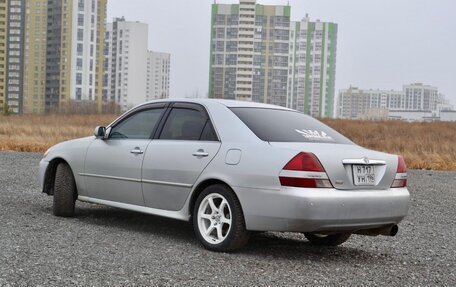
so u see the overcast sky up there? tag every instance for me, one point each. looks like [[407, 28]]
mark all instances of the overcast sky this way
[[381, 44]]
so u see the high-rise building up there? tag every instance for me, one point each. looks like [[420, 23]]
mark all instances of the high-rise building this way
[[3, 51], [53, 55], [12, 53], [34, 88], [312, 67], [258, 54], [74, 61], [158, 70], [249, 52], [22, 55], [132, 74], [125, 73]]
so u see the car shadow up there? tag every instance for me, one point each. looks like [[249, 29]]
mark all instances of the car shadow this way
[[290, 246], [136, 222], [294, 246]]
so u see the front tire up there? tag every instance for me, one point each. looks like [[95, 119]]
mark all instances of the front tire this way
[[327, 240], [64, 191], [218, 219]]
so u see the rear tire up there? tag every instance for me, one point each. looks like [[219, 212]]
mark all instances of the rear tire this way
[[218, 219], [327, 240], [64, 191]]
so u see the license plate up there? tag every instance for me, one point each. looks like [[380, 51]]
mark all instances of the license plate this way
[[363, 174]]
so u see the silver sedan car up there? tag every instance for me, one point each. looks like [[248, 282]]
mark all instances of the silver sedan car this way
[[231, 167]]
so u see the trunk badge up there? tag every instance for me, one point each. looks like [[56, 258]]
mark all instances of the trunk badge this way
[[339, 181], [366, 160]]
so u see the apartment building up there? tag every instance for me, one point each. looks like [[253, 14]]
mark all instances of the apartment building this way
[[312, 67], [34, 83], [413, 101], [249, 52], [126, 53], [12, 30], [132, 73], [3, 52], [418, 96], [53, 58], [158, 71], [74, 61], [258, 54], [50, 54], [356, 103]]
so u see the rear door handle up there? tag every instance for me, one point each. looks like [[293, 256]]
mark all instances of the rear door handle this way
[[136, 150], [200, 153]]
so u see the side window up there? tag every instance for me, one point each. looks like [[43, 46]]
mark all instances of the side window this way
[[208, 132], [184, 124], [137, 126]]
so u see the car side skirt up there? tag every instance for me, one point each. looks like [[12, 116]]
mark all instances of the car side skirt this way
[[148, 210]]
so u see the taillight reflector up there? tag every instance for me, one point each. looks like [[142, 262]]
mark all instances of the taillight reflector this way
[[399, 183], [401, 173], [304, 182]]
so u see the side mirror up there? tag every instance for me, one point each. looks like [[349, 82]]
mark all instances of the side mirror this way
[[100, 132]]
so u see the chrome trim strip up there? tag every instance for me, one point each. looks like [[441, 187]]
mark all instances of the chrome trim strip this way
[[304, 174], [363, 161], [143, 209], [110, 177], [137, 180], [167, 183]]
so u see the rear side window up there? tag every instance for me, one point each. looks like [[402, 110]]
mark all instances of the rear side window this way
[[287, 126], [187, 124], [208, 132]]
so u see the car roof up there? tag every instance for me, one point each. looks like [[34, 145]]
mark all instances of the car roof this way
[[227, 103]]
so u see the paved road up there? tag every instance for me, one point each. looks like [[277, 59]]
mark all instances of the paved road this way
[[105, 246]]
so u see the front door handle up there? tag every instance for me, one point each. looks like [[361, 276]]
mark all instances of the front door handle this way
[[136, 150], [200, 153]]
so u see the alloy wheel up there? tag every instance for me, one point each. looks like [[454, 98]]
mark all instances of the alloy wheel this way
[[214, 218]]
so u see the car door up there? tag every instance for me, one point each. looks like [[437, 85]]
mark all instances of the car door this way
[[113, 166], [178, 154]]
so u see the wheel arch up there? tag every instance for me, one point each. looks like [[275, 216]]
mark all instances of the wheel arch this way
[[49, 176], [200, 187]]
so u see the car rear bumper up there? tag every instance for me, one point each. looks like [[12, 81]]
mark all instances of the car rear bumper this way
[[321, 209]]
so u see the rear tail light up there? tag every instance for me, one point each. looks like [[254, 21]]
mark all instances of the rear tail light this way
[[401, 173], [304, 161], [304, 170], [401, 167]]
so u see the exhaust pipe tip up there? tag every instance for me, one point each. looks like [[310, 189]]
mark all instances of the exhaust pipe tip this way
[[393, 231], [387, 231]]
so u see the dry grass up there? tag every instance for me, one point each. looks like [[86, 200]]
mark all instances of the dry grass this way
[[423, 145], [38, 133]]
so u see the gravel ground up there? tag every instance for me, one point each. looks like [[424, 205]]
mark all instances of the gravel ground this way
[[104, 246]]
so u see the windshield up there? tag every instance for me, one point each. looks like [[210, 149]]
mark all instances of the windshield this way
[[274, 125]]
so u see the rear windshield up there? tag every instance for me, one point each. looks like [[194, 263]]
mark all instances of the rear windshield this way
[[287, 126]]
